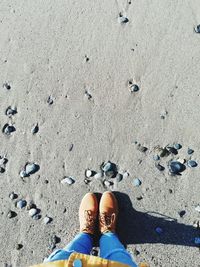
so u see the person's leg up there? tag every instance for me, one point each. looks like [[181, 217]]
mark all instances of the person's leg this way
[[112, 249], [82, 243]]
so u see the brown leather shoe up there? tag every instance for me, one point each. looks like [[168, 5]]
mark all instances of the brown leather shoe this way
[[88, 212], [108, 211]]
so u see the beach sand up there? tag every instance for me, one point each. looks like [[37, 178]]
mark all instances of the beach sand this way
[[61, 49]]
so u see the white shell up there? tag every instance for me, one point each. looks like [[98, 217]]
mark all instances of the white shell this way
[[67, 180], [30, 168], [107, 183], [46, 220], [32, 212], [88, 173]]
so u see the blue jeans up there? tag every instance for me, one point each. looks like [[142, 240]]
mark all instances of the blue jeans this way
[[110, 248]]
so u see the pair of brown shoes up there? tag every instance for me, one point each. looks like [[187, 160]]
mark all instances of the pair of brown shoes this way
[[90, 212]]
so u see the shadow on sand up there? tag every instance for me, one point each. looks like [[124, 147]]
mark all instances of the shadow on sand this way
[[137, 227]]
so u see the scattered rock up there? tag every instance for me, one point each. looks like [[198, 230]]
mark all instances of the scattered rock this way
[[159, 167], [125, 175], [172, 150], [119, 177], [3, 160], [13, 196], [107, 166], [141, 148], [53, 241], [88, 173], [176, 167], [21, 204], [19, 246], [2, 169], [88, 95], [197, 29], [162, 152], [122, 19], [182, 213], [177, 146], [182, 161], [68, 180], [36, 217], [47, 220], [107, 183], [136, 252], [31, 205], [31, 168], [35, 129], [139, 198], [192, 163], [11, 111], [71, 147], [32, 212], [134, 88], [8, 129], [7, 86], [50, 100], [110, 174], [86, 58], [11, 214], [86, 181], [190, 151], [137, 182]]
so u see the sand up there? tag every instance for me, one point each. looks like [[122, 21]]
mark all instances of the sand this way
[[64, 48]]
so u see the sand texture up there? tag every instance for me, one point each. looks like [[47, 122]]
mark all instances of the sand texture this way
[[83, 58]]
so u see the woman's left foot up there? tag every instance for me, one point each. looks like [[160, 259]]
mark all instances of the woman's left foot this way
[[88, 213]]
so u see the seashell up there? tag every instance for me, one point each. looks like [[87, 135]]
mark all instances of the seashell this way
[[119, 177], [156, 157], [50, 100], [192, 163], [176, 167], [31, 168], [197, 29], [107, 166], [107, 183], [35, 129], [11, 214], [32, 212], [7, 85], [159, 167], [21, 204], [190, 151], [137, 182], [88, 173], [122, 19], [134, 88], [68, 180], [98, 175], [177, 146], [125, 175], [11, 111], [36, 217], [12, 195], [47, 220], [8, 129], [141, 148]]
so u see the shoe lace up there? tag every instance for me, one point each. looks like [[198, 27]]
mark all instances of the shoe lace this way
[[90, 220], [107, 219]]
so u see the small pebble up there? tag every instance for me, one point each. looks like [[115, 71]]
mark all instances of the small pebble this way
[[21, 204], [68, 180], [12, 195], [19, 246], [11, 214], [190, 151], [134, 88], [3, 160], [32, 212], [36, 217], [137, 182], [107, 183], [182, 213], [88, 95], [170, 191], [159, 167], [139, 198], [156, 157], [50, 100], [7, 86], [71, 147], [141, 148], [197, 208], [31, 205], [192, 163], [136, 252], [125, 175], [119, 177], [176, 167], [172, 150], [197, 29], [2, 169], [86, 181], [107, 166], [182, 161], [122, 19], [88, 173], [177, 146], [8, 129], [31, 168], [35, 129], [159, 230], [10, 111], [47, 220], [196, 224], [110, 174]]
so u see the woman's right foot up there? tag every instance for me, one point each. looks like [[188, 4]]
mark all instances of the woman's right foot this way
[[108, 212]]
